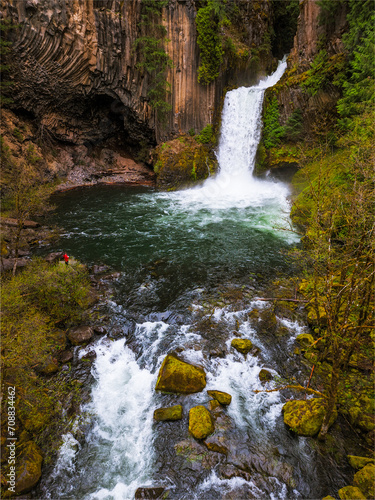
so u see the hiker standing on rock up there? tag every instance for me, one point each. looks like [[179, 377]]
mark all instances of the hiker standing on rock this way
[[66, 258]]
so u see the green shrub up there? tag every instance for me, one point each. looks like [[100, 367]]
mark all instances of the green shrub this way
[[209, 42], [206, 135], [273, 132]]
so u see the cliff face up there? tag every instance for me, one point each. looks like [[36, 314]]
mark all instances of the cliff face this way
[[312, 36], [75, 68]]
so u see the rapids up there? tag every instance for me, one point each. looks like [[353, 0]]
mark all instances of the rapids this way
[[191, 264]]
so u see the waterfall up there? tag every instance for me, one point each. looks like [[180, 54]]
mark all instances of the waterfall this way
[[234, 185], [241, 128]]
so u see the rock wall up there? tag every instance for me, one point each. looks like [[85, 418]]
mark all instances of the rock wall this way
[[75, 68], [311, 37]]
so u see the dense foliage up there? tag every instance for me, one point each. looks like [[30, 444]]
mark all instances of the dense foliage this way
[[152, 56], [209, 41]]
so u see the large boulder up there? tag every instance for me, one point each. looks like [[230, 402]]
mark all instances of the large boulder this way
[[359, 462], [351, 493], [364, 479], [306, 417], [80, 335], [176, 375], [171, 413], [201, 424], [242, 345], [222, 397], [29, 467]]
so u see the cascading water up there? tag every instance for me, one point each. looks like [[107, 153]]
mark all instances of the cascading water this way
[[182, 258]]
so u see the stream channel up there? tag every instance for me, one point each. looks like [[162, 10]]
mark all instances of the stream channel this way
[[191, 264]]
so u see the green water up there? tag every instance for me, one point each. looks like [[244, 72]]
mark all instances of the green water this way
[[132, 228]]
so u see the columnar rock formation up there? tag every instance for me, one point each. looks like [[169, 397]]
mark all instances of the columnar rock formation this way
[[75, 67]]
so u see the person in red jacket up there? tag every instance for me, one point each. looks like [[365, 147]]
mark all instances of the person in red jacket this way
[[66, 258]]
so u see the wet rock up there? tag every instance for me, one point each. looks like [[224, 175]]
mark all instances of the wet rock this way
[[201, 424], [100, 330], [54, 257], [242, 345], [265, 375], [364, 479], [229, 471], [359, 462], [116, 332], [217, 443], [171, 413], [222, 397], [150, 493], [100, 269], [89, 356], [48, 367], [29, 467], [80, 335], [351, 493], [306, 417], [217, 353], [176, 375], [66, 356]]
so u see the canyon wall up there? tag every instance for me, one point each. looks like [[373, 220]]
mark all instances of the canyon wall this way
[[75, 68]]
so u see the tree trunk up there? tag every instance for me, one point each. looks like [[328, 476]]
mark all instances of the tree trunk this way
[[332, 397]]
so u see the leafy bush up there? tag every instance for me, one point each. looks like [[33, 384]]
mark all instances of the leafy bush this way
[[206, 135]]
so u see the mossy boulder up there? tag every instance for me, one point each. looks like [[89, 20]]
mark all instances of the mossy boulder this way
[[265, 375], [29, 467], [242, 345], [359, 462], [170, 413], [361, 413], [364, 479], [328, 497], [351, 493], [183, 161], [176, 375], [201, 423], [222, 397], [48, 367], [306, 417], [305, 340]]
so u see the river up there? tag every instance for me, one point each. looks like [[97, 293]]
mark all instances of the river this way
[[191, 264]]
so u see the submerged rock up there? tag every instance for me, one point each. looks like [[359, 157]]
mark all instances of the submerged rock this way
[[364, 479], [351, 493], [80, 335], [171, 413], [222, 397], [176, 375], [306, 417], [201, 424], [29, 467], [242, 345]]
